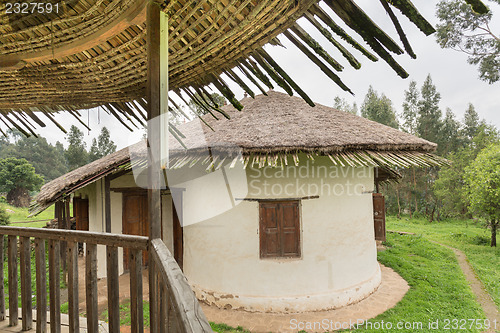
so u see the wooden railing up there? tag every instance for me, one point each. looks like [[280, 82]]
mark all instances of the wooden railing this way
[[172, 298]]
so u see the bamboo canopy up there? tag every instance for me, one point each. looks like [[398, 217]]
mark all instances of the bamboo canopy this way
[[91, 53]]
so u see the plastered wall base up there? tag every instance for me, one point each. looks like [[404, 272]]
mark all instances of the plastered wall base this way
[[292, 304]]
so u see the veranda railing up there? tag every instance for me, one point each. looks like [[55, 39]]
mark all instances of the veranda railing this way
[[173, 306]]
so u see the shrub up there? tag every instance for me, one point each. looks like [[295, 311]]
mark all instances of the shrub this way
[[4, 217]]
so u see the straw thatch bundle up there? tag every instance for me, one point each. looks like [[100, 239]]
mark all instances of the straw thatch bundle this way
[[272, 130], [89, 53]]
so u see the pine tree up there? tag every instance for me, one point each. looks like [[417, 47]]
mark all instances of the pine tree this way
[[102, 146], [429, 121], [471, 123], [76, 154], [379, 109], [410, 109]]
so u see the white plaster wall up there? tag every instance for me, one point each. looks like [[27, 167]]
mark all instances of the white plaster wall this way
[[338, 264]]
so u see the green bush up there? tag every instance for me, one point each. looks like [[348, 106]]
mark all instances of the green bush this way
[[4, 217]]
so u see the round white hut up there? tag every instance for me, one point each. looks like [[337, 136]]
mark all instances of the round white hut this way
[[295, 230], [270, 210]]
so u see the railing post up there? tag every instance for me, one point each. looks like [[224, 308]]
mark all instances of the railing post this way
[[41, 286], [27, 312], [136, 311], [13, 302], [54, 286], [72, 265], [91, 288], [113, 289], [2, 292]]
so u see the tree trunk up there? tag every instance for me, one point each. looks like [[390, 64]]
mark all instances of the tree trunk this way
[[399, 205], [494, 226], [19, 197]]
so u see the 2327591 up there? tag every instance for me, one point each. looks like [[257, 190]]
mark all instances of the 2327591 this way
[[31, 7]]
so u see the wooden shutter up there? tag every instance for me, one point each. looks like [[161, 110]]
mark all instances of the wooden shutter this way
[[379, 216], [279, 229]]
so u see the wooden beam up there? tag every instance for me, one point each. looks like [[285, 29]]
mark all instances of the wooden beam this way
[[102, 238], [54, 286], [41, 286], [73, 311], [91, 288], [153, 97], [26, 291], [134, 15], [107, 203], [2, 291], [13, 280], [113, 289]]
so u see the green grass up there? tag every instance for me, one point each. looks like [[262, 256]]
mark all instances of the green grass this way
[[125, 313], [227, 329], [464, 235], [439, 290], [21, 215]]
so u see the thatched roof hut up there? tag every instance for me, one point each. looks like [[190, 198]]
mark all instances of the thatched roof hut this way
[[271, 130]]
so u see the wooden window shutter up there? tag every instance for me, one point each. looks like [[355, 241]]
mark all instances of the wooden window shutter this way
[[379, 216], [279, 229]]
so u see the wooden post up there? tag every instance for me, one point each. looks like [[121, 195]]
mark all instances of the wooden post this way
[[73, 312], [91, 288], [13, 303], [41, 286], [113, 289], [156, 91], [136, 311], [107, 203], [25, 265], [2, 292], [54, 286]]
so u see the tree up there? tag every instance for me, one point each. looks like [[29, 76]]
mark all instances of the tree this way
[[379, 109], [464, 30], [47, 160], [200, 103], [471, 123], [483, 187], [410, 108], [17, 178], [342, 105], [101, 147], [76, 154], [428, 114]]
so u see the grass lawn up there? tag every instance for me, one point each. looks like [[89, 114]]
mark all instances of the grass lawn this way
[[438, 291], [21, 215], [471, 238]]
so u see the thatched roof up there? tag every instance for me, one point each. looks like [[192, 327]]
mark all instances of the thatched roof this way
[[271, 130], [93, 52]]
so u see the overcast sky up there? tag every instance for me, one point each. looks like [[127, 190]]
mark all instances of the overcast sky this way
[[455, 79]]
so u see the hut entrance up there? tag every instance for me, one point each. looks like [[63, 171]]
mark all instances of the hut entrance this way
[[135, 221], [81, 213], [178, 238]]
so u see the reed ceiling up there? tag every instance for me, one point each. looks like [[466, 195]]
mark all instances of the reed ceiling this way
[[93, 52]]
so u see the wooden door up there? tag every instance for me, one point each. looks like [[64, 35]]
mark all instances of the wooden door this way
[[135, 221], [379, 216], [81, 213]]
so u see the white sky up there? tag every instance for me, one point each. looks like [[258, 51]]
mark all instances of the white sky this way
[[455, 79]]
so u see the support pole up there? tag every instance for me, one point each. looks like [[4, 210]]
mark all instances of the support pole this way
[[156, 90]]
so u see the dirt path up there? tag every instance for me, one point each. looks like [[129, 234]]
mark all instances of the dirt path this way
[[482, 297]]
